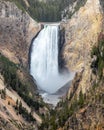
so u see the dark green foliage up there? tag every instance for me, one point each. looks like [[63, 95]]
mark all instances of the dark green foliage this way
[[67, 109], [81, 99], [59, 117], [49, 11], [102, 4], [9, 71], [79, 4], [30, 101], [22, 111], [3, 93], [98, 51], [17, 102]]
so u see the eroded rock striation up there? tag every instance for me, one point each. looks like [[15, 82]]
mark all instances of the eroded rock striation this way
[[17, 29], [81, 34]]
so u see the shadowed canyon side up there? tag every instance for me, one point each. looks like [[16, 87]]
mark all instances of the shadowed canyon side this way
[[44, 66]]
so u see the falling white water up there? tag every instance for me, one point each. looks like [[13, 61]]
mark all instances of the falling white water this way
[[44, 60]]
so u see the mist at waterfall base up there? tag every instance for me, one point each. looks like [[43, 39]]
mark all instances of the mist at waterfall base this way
[[44, 62]]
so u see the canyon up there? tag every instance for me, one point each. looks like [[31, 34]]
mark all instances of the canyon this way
[[83, 105]]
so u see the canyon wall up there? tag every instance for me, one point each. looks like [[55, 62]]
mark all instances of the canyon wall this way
[[17, 29], [85, 96], [81, 34]]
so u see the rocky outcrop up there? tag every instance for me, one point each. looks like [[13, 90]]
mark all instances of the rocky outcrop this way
[[17, 29], [81, 34], [74, 6], [90, 115]]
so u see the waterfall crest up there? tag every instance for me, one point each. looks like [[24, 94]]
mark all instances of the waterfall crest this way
[[44, 60]]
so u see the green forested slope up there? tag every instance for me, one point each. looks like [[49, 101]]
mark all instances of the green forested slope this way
[[49, 11], [85, 112]]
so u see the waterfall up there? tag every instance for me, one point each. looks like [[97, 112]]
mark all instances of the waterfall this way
[[44, 60]]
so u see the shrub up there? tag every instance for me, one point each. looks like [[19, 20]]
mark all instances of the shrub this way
[[98, 51], [9, 71]]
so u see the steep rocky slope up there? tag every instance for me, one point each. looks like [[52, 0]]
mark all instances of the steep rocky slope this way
[[43, 10], [84, 101], [18, 92], [16, 32], [19, 100], [83, 52], [81, 33], [73, 7]]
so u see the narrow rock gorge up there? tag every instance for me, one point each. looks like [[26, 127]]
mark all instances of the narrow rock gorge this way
[[81, 50], [83, 106]]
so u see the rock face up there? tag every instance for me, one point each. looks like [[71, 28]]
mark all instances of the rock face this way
[[81, 34], [17, 29], [91, 116], [16, 32], [72, 8]]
